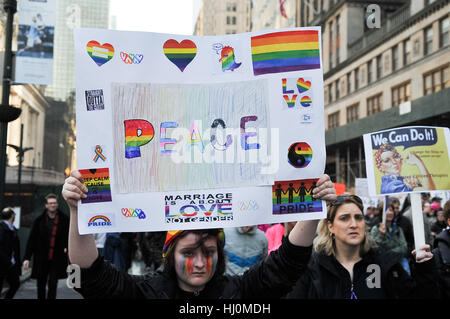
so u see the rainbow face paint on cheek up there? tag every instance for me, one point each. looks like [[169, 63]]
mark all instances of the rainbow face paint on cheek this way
[[211, 264], [187, 265]]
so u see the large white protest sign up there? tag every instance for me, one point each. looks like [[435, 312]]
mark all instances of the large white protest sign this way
[[186, 132]]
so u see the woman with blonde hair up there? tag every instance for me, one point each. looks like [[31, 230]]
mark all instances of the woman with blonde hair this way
[[346, 263]]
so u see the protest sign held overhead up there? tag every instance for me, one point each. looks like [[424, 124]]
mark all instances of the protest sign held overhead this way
[[407, 159], [188, 132]]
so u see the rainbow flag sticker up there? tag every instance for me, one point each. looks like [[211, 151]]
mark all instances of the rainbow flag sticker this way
[[98, 184], [100, 53], [285, 51], [180, 54]]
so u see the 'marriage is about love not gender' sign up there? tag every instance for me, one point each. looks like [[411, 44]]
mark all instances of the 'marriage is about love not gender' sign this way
[[187, 132]]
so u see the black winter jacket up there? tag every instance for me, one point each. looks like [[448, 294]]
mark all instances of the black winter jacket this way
[[9, 246], [442, 257], [326, 278], [272, 278], [39, 243]]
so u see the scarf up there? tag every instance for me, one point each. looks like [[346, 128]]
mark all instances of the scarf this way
[[52, 236]]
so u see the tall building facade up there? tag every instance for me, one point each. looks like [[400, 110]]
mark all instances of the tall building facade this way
[[271, 14], [48, 116], [71, 14], [379, 74], [34, 106], [224, 17]]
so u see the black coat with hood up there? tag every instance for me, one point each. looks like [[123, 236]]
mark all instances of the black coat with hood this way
[[271, 278], [326, 278]]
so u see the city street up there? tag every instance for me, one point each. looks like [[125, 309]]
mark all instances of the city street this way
[[28, 290], [194, 149]]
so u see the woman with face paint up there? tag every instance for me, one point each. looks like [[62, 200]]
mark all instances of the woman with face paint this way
[[194, 261]]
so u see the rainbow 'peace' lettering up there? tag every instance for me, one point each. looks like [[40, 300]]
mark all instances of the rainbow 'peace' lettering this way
[[137, 133]]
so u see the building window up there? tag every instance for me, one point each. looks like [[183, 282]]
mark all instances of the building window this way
[[338, 39], [231, 7], [338, 93], [330, 93], [374, 104], [349, 83], [307, 13], [331, 46], [356, 79], [401, 93], [444, 26], [352, 113], [407, 49], [428, 41], [369, 72], [395, 58], [333, 120], [379, 67], [436, 80], [231, 20]]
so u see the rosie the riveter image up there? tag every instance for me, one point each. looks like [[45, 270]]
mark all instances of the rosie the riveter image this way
[[389, 162]]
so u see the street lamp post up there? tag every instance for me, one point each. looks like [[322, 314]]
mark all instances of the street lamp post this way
[[7, 113], [20, 154]]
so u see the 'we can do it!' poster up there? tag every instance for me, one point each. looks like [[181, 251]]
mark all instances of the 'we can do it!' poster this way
[[188, 132], [408, 159]]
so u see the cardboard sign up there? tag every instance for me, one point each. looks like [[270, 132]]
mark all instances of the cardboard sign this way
[[407, 159]]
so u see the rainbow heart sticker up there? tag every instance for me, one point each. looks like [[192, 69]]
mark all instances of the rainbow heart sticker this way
[[100, 53], [303, 85], [180, 54]]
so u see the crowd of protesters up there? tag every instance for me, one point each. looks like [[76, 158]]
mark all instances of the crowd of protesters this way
[[326, 260]]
